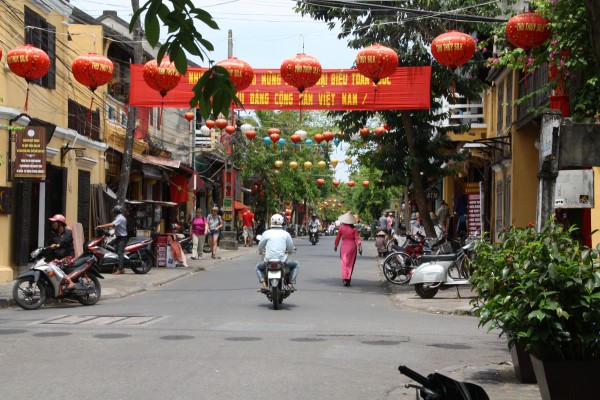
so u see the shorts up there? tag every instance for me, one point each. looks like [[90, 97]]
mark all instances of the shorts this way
[[213, 233], [248, 232]]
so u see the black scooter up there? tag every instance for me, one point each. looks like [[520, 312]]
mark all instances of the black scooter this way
[[439, 387]]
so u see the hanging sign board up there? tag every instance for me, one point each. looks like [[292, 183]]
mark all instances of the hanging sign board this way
[[345, 89], [30, 153]]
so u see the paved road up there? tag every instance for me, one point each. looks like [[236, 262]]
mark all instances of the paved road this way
[[211, 335]]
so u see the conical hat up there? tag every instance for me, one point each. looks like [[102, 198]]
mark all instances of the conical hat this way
[[347, 218], [381, 233]]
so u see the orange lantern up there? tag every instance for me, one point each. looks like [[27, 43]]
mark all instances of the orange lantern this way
[[366, 183], [162, 78], [230, 129], [293, 164], [318, 138], [335, 183], [29, 63], [321, 164], [453, 49], [528, 30], [350, 183], [189, 116], [376, 62], [301, 71], [278, 164], [380, 130], [240, 72], [210, 123], [320, 182], [251, 134], [364, 131], [221, 123]]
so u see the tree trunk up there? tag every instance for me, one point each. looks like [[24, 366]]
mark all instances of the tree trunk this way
[[138, 53], [593, 14], [417, 180]]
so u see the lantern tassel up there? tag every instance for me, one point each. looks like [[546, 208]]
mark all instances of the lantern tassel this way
[[89, 114], [27, 97]]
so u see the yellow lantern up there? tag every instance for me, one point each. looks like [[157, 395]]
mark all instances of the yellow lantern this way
[[294, 164], [276, 171], [322, 164], [308, 165], [348, 160], [278, 164], [334, 162]]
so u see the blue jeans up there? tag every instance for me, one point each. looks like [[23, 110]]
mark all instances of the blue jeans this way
[[289, 263]]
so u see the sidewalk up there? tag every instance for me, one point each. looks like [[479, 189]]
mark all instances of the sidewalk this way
[[114, 287]]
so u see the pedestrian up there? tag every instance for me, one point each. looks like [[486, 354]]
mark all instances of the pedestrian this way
[[348, 235], [199, 231], [381, 244], [390, 224], [120, 225], [61, 242], [248, 223], [383, 222], [443, 214], [215, 223]]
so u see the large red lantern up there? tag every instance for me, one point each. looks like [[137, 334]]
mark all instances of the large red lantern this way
[[320, 181], [380, 130], [301, 71], [92, 70], [366, 184], [221, 123], [453, 49], [240, 72], [377, 62], [162, 78], [29, 63], [189, 116], [528, 30], [350, 184]]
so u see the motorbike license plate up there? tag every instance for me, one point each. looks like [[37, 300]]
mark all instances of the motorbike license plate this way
[[274, 274]]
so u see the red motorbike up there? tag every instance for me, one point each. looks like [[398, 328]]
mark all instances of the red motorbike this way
[[138, 252]]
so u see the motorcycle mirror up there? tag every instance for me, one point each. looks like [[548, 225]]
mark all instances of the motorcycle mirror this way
[[259, 237]]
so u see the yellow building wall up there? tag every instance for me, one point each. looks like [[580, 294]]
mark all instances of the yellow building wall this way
[[524, 168], [595, 212]]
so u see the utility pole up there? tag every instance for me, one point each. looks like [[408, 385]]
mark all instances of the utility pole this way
[[138, 53]]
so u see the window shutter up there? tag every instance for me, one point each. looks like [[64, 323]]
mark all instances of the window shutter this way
[[24, 195], [83, 202]]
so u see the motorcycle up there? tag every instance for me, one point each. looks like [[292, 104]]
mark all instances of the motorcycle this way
[[313, 234], [443, 271], [440, 387], [365, 232], [138, 253], [45, 279], [278, 287]]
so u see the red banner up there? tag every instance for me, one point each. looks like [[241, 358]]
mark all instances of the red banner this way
[[406, 89]]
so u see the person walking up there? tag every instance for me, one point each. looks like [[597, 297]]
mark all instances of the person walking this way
[[199, 231], [383, 223], [350, 240], [248, 227], [215, 223], [443, 215], [120, 225]]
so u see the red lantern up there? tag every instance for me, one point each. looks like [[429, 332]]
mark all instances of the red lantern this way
[[366, 184], [335, 183], [301, 71], [163, 78], [380, 130], [230, 129], [318, 138], [274, 137], [320, 182], [240, 72], [29, 63], [364, 131], [273, 130], [377, 62], [189, 116], [251, 134], [453, 49], [295, 138], [221, 123], [528, 30], [210, 123], [92, 70], [350, 183], [328, 136]]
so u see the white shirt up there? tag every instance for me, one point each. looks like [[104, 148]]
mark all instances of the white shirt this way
[[278, 244]]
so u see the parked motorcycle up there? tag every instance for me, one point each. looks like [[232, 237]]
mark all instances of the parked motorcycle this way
[[440, 387], [46, 280], [442, 271], [365, 232], [313, 234], [138, 252]]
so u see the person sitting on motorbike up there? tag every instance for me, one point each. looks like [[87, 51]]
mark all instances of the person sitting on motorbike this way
[[61, 243], [314, 223], [276, 243]]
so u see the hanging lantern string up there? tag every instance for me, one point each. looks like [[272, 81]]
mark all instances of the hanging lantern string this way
[[27, 96]]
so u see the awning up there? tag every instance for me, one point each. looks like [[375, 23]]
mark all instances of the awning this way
[[158, 161], [237, 206], [160, 203]]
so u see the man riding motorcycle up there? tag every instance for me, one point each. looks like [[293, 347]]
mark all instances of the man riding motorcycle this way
[[314, 223], [277, 244]]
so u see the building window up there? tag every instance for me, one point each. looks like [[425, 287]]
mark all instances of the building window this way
[[78, 120], [500, 109], [123, 119], [42, 35], [507, 203], [111, 113]]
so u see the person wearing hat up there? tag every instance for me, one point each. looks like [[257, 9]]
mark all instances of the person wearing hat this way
[[381, 244], [215, 223], [120, 226], [350, 240], [61, 242]]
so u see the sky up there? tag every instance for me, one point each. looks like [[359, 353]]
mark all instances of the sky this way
[[265, 32]]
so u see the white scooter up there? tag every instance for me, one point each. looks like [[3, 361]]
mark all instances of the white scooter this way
[[442, 271]]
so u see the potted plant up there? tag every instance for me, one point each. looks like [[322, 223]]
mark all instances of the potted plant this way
[[542, 289]]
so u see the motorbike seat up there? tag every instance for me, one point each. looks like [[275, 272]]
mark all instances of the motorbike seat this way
[[438, 257], [78, 264]]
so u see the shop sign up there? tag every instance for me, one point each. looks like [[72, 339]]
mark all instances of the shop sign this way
[[432, 193], [5, 200], [228, 216], [574, 189], [30, 153]]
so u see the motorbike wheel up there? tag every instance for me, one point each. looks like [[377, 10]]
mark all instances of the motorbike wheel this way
[[390, 243], [398, 267], [426, 292], [91, 298], [188, 247], [26, 297], [241, 239], [276, 297], [145, 266]]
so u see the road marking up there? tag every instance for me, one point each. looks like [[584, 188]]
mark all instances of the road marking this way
[[121, 320]]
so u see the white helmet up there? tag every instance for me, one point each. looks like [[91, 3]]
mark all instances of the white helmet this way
[[276, 221]]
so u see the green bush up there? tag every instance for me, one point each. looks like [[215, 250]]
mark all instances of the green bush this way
[[542, 289]]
